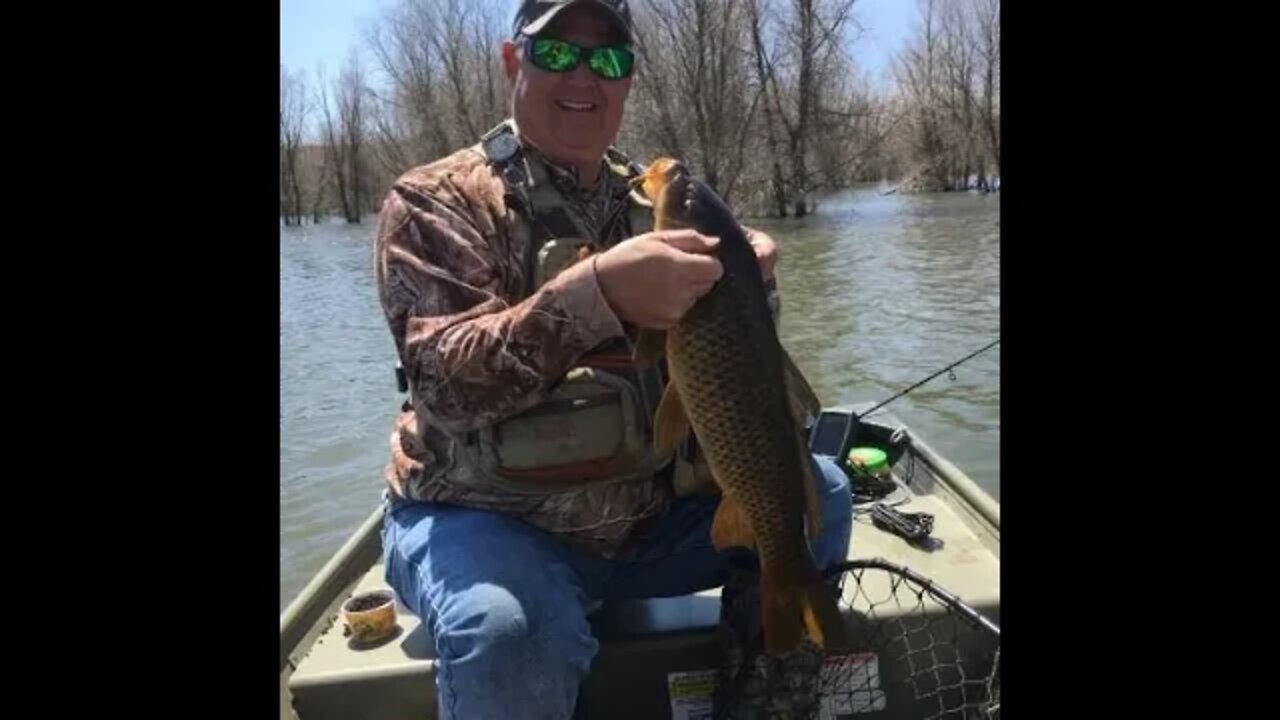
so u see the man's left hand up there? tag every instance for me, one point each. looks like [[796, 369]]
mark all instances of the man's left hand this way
[[766, 250]]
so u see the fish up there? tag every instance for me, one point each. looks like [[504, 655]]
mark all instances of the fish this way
[[734, 385]]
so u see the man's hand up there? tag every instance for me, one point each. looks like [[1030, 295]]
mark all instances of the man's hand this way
[[652, 280], [766, 250]]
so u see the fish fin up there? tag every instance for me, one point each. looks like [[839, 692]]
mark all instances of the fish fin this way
[[730, 527], [670, 423], [650, 345], [804, 401], [791, 613]]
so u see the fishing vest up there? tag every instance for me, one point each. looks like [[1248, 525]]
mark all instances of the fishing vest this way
[[597, 424]]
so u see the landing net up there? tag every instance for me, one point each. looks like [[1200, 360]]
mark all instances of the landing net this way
[[916, 651], [916, 646]]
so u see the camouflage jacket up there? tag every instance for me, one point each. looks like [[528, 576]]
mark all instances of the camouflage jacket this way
[[451, 281]]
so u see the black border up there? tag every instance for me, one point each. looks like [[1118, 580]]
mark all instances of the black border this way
[[161, 300], [1101, 591], [156, 498]]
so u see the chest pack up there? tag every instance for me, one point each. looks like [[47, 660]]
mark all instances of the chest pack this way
[[596, 425]]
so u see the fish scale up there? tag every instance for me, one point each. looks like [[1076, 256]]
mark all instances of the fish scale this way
[[730, 380], [743, 434]]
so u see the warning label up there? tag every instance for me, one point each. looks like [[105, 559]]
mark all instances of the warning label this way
[[691, 694], [854, 687]]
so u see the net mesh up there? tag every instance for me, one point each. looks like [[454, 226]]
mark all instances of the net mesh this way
[[915, 645], [915, 652]]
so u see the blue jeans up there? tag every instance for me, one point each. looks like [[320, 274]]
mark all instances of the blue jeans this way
[[507, 604]]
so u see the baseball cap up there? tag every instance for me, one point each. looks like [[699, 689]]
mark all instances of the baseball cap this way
[[533, 16]]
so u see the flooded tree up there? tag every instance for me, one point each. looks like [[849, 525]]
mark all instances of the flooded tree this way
[[343, 129], [352, 94], [987, 35], [695, 99], [441, 71], [294, 108], [801, 56], [949, 76], [762, 98], [335, 150]]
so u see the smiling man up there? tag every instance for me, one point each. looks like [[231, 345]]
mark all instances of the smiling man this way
[[524, 488]]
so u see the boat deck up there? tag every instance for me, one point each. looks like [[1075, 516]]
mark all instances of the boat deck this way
[[641, 641]]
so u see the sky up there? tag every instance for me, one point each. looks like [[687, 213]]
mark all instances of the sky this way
[[323, 31]]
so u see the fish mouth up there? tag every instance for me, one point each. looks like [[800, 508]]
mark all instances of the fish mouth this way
[[664, 177]]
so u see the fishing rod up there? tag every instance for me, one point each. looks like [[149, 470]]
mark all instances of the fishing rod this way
[[914, 527], [850, 422], [948, 368]]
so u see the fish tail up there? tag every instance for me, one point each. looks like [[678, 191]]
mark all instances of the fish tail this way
[[822, 617], [790, 612]]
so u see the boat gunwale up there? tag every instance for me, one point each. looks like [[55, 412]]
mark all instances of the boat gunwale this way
[[313, 604]]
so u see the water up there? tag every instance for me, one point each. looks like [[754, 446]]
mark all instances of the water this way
[[878, 292], [337, 393]]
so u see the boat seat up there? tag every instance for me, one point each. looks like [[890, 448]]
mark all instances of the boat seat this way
[[641, 641]]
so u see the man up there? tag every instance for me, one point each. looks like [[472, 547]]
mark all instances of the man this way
[[523, 488]]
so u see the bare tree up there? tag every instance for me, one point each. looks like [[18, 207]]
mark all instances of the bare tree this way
[[810, 46], [387, 135], [351, 97], [949, 76], [449, 40], [344, 127], [693, 54], [917, 73], [987, 21], [409, 64], [441, 63], [335, 148], [321, 170], [762, 97], [958, 94], [294, 108], [764, 76], [651, 121]]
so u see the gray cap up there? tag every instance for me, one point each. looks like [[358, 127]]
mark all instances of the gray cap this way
[[533, 16]]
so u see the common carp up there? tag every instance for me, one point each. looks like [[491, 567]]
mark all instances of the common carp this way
[[733, 384]]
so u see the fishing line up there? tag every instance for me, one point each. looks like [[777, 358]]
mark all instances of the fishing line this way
[[948, 368]]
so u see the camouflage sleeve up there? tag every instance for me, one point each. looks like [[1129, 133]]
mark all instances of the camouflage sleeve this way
[[470, 357]]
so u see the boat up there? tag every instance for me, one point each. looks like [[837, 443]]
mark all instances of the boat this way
[[928, 611]]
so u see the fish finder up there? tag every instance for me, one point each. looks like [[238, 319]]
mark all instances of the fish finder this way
[[833, 433]]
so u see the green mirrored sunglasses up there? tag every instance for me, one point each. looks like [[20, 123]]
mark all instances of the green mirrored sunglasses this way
[[613, 62]]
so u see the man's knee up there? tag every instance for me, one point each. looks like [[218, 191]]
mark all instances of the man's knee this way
[[490, 623], [482, 620], [837, 512], [833, 480], [494, 602], [833, 489], [497, 651]]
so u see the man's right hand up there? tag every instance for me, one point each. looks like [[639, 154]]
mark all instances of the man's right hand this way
[[652, 280]]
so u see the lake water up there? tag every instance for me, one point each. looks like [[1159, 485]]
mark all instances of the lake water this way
[[878, 292]]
